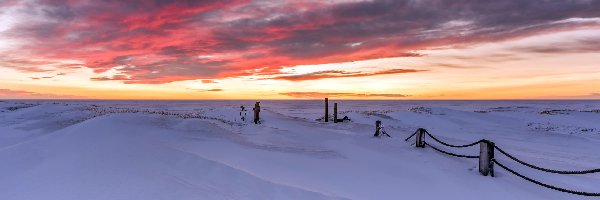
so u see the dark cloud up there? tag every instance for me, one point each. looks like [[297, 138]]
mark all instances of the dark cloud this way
[[341, 74], [582, 45], [493, 57], [181, 40], [111, 78], [318, 95]]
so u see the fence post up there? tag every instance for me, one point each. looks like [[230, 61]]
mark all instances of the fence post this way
[[326, 109], [486, 155], [335, 119], [420, 137], [377, 128], [256, 112]]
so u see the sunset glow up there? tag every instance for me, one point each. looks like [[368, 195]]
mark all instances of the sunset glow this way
[[410, 49]]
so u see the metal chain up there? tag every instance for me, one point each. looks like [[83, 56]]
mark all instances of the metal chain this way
[[450, 145], [515, 159], [546, 185], [452, 154], [544, 169], [408, 138]]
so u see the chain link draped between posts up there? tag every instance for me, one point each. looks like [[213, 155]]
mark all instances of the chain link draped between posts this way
[[505, 167], [450, 145], [545, 185], [544, 169], [408, 138], [448, 153]]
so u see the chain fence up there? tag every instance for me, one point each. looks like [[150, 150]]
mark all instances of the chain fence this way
[[546, 169], [423, 131]]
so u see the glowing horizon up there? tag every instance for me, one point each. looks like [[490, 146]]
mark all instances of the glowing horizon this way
[[414, 49]]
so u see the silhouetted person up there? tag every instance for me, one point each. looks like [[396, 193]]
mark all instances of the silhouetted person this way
[[243, 110]]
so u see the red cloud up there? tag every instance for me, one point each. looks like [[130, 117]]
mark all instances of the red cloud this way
[[161, 41]]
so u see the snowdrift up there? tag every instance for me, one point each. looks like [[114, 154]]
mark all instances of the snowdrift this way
[[203, 150]]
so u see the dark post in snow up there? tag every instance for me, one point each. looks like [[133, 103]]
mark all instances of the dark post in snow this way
[[256, 112], [486, 155], [420, 137], [335, 119], [377, 128], [326, 109]]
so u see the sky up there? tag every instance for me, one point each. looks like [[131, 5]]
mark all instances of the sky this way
[[241, 49]]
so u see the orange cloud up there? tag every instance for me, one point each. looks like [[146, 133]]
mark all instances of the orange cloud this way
[[18, 94]]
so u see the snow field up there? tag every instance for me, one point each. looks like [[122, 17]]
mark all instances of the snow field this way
[[201, 150]]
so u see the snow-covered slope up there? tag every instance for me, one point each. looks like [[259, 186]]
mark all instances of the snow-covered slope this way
[[202, 150]]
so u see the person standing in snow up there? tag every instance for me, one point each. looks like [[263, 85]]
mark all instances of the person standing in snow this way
[[243, 113]]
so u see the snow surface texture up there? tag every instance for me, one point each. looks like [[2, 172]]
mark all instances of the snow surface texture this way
[[147, 150]]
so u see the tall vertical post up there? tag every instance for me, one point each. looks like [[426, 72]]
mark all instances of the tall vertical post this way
[[256, 112], [335, 119], [420, 138], [326, 109], [486, 156]]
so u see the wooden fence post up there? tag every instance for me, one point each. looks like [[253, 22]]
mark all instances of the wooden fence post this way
[[256, 112], [377, 128], [335, 119], [420, 138], [326, 109], [486, 155]]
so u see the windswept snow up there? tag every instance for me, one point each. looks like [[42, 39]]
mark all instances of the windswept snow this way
[[203, 150]]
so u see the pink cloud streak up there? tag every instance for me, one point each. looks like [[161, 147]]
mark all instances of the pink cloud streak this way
[[162, 41]]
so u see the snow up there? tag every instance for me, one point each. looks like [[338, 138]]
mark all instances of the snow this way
[[202, 150]]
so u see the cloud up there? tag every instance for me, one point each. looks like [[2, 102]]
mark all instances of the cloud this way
[[42, 77], [206, 90], [205, 81], [19, 94], [341, 74], [315, 95], [34, 65], [47, 77], [492, 57], [111, 78], [454, 66], [581, 45], [166, 41]]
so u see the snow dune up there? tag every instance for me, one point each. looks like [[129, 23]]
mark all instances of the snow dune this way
[[202, 150]]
